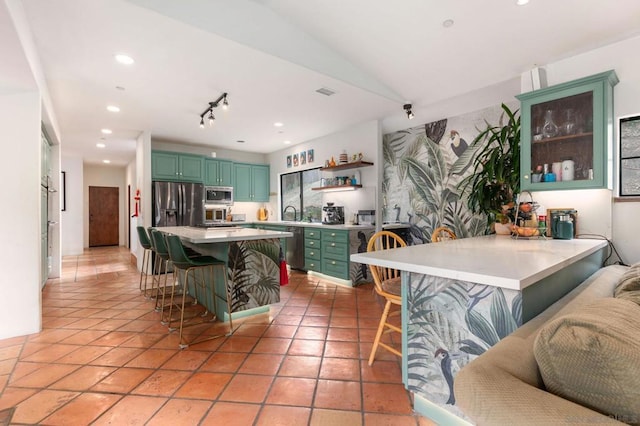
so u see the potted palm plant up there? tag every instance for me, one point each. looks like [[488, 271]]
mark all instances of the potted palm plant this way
[[495, 181]]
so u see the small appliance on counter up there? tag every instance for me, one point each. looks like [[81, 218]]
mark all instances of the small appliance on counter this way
[[366, 217], [563, 224], [332, 215], [240, 217]]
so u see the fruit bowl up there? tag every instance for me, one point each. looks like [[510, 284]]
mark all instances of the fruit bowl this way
[[522, 231]]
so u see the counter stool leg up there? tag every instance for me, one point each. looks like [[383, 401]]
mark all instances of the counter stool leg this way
[[144, 270]]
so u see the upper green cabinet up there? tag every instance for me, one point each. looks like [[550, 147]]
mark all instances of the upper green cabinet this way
[[177, 167], [218, 172], [567, 131], [251, 182]]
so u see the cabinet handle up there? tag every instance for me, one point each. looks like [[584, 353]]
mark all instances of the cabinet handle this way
[[311, 243], [333, 262], [312, 265], [333, 234], [311, 253], [333, 244], [312, 234]]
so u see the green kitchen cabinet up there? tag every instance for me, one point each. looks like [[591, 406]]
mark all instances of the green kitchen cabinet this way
[[171, 166], [567, 129], [312, 249], [251, 182], [335, 253], [218, 172]]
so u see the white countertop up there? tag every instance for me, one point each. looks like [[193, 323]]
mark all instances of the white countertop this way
[[221, 235], [493, 260]]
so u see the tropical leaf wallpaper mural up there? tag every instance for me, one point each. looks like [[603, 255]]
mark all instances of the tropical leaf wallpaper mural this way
[[452, 322], [423, 166]]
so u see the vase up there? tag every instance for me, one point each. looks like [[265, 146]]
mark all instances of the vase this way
[[549, 128]]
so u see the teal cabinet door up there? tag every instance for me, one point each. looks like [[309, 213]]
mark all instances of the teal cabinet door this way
[[242, 182], [164, 166], [191, 168], [177, 167], [566, 131], [218, 172], [225, 172], [260, 183], [251, 182]]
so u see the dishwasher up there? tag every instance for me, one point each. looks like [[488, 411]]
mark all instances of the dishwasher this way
[[295, 247]]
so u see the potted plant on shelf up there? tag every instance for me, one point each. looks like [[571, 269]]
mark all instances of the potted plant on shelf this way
[[495, 180]]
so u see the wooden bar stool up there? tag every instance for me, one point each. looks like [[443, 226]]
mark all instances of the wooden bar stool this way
[[145, 242], [191, 268]]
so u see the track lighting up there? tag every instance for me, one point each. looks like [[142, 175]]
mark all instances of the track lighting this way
[[407, 110], [212, 105]]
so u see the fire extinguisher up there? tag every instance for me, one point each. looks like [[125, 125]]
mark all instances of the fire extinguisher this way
[[137, 198], [284, 274]]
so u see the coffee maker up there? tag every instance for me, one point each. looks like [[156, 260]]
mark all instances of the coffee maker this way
[[332, 215]]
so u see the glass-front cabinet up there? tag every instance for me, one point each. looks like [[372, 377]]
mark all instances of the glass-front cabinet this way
[[567, 133]]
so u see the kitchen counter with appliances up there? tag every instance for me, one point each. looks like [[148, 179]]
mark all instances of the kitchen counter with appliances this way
[[253, 265], [478, 290]]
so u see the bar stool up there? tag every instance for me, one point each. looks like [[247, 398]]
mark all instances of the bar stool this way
[[163, 260], [143, 238], [190, 266]]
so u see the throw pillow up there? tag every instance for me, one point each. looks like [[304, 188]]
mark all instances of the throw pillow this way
[[592, 357], [628, 286]]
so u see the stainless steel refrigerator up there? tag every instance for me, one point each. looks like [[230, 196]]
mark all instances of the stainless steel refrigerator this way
[[177, 204]]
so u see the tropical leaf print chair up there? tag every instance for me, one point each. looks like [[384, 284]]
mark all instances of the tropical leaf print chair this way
[[387, 285]]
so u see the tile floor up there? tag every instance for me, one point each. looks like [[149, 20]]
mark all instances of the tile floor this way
[[104, 358]]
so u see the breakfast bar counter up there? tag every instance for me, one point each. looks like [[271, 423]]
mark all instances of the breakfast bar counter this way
[[460, 297], [252, 257]]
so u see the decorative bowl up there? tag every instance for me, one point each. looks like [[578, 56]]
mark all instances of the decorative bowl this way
[[522, 231]]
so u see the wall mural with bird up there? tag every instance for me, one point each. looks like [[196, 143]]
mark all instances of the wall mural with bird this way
[[423, 166], [453, 322]]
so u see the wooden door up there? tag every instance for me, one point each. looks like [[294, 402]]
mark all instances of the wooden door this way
[[104, 216]]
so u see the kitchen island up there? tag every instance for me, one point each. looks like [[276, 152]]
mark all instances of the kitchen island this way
[[253, 265], [460, 297]]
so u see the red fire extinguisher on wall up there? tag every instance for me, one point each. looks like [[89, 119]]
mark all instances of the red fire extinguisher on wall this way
[[137, 199]]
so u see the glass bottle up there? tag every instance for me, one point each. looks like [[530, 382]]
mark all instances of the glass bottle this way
[[569, 126], [549, 128]]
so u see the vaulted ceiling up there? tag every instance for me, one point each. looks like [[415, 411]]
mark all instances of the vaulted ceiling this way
[[271, 56]]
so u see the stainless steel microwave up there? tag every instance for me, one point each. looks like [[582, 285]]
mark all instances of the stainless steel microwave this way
[[222, 195]]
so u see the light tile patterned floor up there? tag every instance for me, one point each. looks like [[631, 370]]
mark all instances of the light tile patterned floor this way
[[104, 358]]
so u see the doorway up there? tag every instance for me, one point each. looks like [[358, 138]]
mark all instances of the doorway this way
[[104, 216]]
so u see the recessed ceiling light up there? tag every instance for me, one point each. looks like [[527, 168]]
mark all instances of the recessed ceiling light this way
[[521, 2], [278, 124], [447, 23], [106, 131], [326, 91], [101, 145], [124, 59], [119, 88], [287, 142], [113, 108], [240, 141], [106, 161]]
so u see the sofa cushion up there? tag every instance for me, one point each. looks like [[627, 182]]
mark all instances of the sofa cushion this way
[[592, 357], [628, 286]]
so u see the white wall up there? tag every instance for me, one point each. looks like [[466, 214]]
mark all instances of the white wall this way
[[72, 219], [617, 220], [55, 242], [20, 304], [110, 177], [364, 138]]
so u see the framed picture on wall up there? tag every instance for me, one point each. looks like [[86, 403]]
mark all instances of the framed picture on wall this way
[[303, 157], [310, 156], [288, 161], [629, 156], [295, 160]]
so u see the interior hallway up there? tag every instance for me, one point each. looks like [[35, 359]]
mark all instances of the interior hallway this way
[[104, 358]]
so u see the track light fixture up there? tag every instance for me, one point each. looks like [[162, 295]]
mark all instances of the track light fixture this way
[[407, 110], [212, 105]]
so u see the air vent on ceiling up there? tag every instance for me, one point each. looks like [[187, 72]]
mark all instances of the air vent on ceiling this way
[[325, 91]]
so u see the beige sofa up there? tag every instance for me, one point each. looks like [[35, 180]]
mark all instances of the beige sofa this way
[[504, 386]]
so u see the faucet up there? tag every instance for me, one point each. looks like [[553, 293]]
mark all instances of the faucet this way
[[397, 209], [295, 212]]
